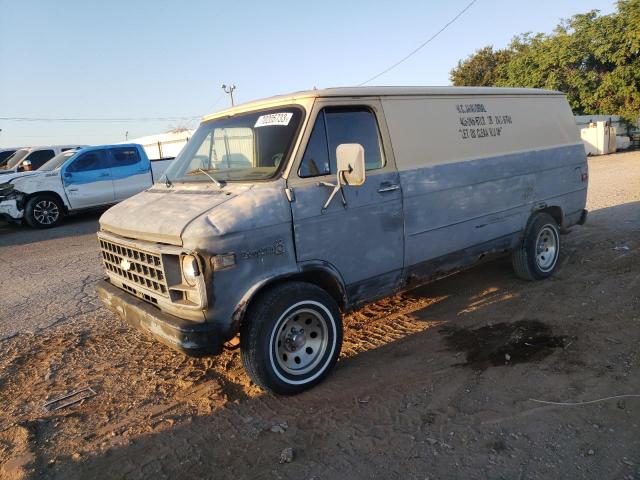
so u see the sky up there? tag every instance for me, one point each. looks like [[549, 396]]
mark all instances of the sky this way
[[161, 60]]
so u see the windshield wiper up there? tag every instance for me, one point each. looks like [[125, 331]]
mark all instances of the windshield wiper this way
[[218, 183], [167, 182]]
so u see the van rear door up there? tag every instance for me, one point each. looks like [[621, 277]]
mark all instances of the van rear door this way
[[363, 239]]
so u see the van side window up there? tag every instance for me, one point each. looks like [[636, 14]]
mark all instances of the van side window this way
[[89, 161], [124, 156], [316, 157], [341, 125], [355, 125]]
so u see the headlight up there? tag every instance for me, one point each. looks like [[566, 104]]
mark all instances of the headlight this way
[[5, 189], [190, 270]]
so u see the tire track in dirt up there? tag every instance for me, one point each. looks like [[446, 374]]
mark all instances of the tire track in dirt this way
[[384, 322]]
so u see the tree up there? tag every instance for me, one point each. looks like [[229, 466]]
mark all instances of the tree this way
[[481, 68], [594, 59]]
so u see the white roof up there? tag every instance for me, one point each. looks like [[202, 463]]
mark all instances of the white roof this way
[[161, 137], [395, 90], [47, 147], [380, 92]]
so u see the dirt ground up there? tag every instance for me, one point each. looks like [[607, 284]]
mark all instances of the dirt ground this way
[[444, 381]]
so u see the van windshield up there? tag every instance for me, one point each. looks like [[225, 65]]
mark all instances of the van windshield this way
[[245, 147]]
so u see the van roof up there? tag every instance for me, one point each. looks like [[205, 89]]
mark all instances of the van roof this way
[[379, 92]]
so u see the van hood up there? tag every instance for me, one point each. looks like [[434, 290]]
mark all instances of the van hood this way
[[161, 214], [194, 216]]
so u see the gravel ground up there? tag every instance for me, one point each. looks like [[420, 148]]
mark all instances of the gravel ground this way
[[412, 396]]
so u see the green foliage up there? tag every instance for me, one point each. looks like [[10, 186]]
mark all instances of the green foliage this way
[[594, 59]]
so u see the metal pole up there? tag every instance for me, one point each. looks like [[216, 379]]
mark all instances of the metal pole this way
[[229, 91]]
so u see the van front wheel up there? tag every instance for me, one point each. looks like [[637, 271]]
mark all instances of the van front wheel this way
[[537, 257], [291, 337]]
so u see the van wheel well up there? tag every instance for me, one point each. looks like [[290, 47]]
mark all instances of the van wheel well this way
[[46, 192], [555, 212], [325, 281], [318, 277]]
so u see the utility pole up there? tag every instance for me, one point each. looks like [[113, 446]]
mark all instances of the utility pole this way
[[229, 91]]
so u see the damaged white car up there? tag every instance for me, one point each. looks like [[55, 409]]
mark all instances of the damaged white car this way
[[75, 181]]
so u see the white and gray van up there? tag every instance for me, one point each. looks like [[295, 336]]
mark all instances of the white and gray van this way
[[280, 215]]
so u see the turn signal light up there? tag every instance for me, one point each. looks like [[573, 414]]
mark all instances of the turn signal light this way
[[225, 260]]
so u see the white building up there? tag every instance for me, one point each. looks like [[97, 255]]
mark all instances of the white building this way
[[163, 145]]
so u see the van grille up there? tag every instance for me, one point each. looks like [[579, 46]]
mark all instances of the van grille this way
[[135, 266], [140, 294]]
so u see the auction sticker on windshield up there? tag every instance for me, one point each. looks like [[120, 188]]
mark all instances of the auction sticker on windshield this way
[[273, 119]]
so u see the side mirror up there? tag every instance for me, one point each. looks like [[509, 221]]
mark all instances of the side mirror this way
[[350, 164]]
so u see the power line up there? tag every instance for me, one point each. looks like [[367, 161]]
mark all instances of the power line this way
[[107, 120], [422, 45]]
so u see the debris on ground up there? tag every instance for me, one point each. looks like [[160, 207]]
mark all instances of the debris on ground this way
[[624, 248], [279, 427], [287, 455], [69, 399]]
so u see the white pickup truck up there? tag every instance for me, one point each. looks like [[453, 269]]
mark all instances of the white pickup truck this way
[[88, 178], [32, 158]]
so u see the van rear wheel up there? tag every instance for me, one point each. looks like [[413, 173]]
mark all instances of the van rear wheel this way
[[537, 257], [291, 337]]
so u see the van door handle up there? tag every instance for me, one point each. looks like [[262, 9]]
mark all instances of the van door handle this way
[[105, 174], [388, 187]]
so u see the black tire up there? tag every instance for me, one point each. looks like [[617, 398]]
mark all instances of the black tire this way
[[537, 257], [277, 353], [43, 211]]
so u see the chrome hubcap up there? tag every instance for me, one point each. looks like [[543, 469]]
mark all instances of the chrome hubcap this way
[[301, 341], [46, 212], [546, 248]]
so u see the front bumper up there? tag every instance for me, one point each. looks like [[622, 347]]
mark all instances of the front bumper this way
[[9, 210], [186, 336]]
